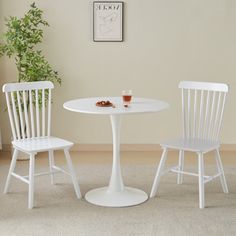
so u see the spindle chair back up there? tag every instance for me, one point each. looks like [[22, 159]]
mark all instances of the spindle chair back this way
[[202, 109]]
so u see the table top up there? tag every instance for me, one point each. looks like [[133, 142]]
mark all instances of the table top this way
[[138, 105]]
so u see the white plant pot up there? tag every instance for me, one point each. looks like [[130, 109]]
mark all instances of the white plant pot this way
[[21, 156]]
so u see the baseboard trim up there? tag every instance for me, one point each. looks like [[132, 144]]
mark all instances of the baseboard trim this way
[[124, 147], [134, 147], [228, 147]]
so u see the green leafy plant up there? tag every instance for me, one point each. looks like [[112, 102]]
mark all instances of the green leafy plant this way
[[20, 40]]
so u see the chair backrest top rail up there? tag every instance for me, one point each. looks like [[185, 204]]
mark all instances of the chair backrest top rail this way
[[204, 86], [10, 87]]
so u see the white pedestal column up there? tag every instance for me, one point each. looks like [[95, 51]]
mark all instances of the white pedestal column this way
[[116, 194]]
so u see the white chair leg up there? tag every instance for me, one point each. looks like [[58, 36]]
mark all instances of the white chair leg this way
[[158, 173], [201, 180], [31, 181], [11, 169], [181, 167], [51, 164], [72, 174], [221, 170]]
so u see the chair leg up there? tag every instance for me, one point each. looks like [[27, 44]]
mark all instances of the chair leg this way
[[201, 180], [11, 169], [72, 173], [181, 167], [221, 170], [51, 164], [31, 181], [159, 173]]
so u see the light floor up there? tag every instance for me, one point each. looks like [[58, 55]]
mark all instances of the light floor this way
[[174, 212]]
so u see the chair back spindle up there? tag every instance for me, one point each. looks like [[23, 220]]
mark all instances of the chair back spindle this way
[[26, 105], [202, 109]]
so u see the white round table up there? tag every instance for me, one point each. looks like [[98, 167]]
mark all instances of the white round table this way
[[116, 194]]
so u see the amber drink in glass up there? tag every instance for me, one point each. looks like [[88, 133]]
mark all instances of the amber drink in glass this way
[[127, 96]]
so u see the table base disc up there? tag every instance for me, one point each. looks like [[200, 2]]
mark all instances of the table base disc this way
[[127, 197]]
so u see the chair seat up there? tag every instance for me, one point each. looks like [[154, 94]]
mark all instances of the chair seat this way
[[193, 145], [41, 144]]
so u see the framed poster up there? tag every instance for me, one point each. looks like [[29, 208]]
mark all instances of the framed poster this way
[[108, 21]]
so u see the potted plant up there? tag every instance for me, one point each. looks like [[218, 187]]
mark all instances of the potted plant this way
[[20, 41]]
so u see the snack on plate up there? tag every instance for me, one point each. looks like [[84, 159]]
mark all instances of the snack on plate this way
[[104, 104]]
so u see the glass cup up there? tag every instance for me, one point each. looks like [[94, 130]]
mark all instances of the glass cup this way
[[127, 96]]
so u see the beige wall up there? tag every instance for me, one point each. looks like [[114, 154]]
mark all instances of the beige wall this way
[[165, 41]]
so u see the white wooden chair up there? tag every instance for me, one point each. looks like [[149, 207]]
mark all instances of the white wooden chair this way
[[202, 112], [31, 128]]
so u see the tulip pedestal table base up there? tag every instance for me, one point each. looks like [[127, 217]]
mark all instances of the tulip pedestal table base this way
[[116, 194], [127, 197]]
